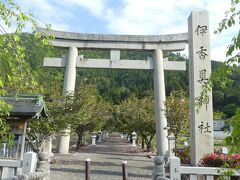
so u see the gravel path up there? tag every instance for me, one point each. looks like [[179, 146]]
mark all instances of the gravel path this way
[[106, 159]]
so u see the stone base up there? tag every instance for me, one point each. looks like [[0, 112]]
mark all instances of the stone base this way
[[63, 144]]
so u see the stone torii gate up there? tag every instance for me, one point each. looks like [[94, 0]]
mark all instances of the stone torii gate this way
[[116, 43], [201, 123]]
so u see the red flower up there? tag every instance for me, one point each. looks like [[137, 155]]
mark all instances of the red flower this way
[[218, 160]]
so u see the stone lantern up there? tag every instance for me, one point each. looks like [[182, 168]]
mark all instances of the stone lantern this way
[[93, 139], [134, 137]]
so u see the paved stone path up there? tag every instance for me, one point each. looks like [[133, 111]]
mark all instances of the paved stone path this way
[[106, 159]]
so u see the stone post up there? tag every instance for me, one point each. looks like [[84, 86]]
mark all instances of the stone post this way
[[171, 145], [134, 137], [174, 168], [185, 143], [68, 88], [4, 149], [87, 169], [159, 169], [201, 116], [128, 138], [104, 134], [224, 150], [160, 97], [23, 141], [93, 140], [29, 162], [99, 136]]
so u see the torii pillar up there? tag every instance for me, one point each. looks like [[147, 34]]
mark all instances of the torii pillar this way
[[68, 88], [160, 97]]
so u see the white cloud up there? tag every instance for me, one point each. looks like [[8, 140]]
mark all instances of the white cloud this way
[[167, 17], [219, 53], [151, 17], [134, 16], [47, 12], [143, 17], [96, 7]]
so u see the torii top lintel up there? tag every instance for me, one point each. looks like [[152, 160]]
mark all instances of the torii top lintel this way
[[170, 42]]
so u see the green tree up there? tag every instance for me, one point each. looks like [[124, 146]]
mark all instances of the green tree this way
[[234, 140], [42, 129], [16, 74], [233, 59], [177, 113], [85, 111], [137, 115]]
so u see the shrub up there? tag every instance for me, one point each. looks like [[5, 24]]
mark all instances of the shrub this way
[[183, 154], [220, 160]]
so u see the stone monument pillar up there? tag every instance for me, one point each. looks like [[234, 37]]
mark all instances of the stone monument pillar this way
[[160, 97], [201, 117], [68, 88]]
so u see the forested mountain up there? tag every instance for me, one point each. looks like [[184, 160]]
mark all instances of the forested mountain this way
[[117, 85]]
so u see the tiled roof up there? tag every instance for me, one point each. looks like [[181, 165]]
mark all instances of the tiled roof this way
[[28, 106]]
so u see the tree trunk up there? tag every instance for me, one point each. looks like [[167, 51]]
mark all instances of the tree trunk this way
[[79, 142], [149, 146], [143, 145], [149, 143]]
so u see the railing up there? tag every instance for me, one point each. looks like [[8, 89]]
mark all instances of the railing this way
[[13, 151], [207, 172], [8, 168], [7, 151], [26, 169]]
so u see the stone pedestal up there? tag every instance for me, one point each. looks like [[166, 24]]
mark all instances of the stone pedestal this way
[[171, 145], [159, 169], [48, 146], [63, 142], [44, 165]]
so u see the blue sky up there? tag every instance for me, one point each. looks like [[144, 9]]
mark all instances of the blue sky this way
[[130, 17]]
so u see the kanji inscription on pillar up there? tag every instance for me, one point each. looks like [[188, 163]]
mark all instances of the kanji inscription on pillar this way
[[201, 118]]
